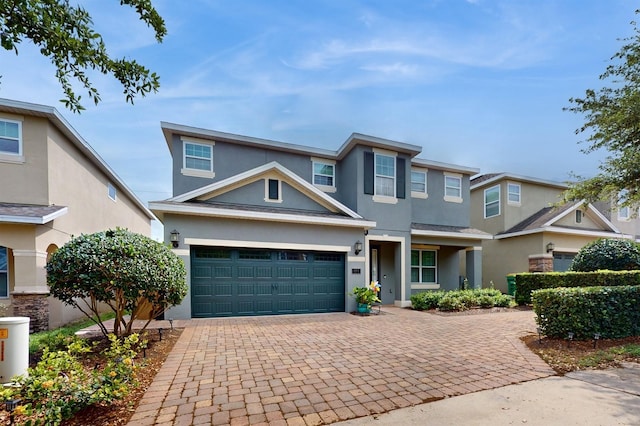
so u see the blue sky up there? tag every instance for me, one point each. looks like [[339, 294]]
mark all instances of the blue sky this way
[[479, 83]]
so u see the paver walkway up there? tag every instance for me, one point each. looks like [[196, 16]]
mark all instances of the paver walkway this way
[[320, 369]]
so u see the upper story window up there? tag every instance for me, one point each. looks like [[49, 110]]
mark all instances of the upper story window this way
[[197, 158], [419, 183], [453, 187], [112, 191], [324, 174], [492, 201], [624, 213], [513, 193], [385, 172], [273, 191], [10, 138], [578, 216], [4, 273]]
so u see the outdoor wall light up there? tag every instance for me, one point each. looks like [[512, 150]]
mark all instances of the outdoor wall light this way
[[357, 247], [550, 247], [175, 238]]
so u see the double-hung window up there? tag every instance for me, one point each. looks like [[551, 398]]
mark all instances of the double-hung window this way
[[324, 175], [424, 266], [4, 273], [492, 201], [453, 187], [418, 183], [197, 159], [10, 137], [385, 173], [513, 193]]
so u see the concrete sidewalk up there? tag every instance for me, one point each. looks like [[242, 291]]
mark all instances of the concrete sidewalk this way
[[596, 397]]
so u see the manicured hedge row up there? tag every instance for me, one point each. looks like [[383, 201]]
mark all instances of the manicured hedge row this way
[[613, 312], [527, 282], [460, 300]]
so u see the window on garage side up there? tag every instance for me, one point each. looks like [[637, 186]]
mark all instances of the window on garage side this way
[[4, 273], [197, 159], [492, 201], [424, 266]]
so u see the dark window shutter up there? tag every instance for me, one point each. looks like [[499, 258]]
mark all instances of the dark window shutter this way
[[273, 189], [368, 172], [401, 178]]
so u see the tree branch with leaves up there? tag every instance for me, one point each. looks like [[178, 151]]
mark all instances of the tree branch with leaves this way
[[65, 34]]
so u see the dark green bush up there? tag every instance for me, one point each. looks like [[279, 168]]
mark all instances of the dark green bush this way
[[426, 300], [460, 300], [607, 253], [613, 312], [528, 282]]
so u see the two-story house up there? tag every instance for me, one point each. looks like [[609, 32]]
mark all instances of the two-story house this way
[[267, 227], [54, 186], [533, 229]]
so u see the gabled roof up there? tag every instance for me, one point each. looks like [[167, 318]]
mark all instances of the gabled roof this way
[[449, 231], [30, 213], [548, 218], [50, 113], [169, 129], [202, 201], [489, 178]]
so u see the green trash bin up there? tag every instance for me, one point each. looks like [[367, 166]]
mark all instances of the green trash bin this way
[[511, 284]]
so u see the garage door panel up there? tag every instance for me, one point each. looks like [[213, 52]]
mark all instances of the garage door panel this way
[[263, 282]]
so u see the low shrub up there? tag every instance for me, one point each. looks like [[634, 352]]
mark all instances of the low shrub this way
[[612, 312], [460, 300], [528, 282], [59, 385]]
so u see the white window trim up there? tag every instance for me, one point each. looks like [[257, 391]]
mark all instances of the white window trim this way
[[450, 198], [110, 186], [499, 201], [325, 188], [196, 172], [388, 199], [418, 285], [10, 157], [514, 203], [266, 191], [416, 194]]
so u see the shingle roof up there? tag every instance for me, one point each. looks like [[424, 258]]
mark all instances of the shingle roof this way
[[542, 216], [482, 178], [29, 213]]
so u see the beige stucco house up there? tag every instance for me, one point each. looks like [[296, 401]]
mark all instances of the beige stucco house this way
[[533, 231], [55, 186]]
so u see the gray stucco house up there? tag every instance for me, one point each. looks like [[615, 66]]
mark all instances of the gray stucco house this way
[[266, 227]]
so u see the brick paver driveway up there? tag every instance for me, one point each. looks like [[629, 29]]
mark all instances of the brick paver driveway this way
[[319, 369]]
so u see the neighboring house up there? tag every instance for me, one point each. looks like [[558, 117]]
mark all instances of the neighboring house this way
[[533, 230], [266, 227], [55, 186]]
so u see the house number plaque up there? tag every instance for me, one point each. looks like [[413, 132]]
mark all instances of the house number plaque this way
[[4, 333]]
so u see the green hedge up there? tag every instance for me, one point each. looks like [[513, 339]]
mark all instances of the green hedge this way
[[528, 282], [460, 300], [613, 312]]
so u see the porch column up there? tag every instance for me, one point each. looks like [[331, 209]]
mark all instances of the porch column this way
[[30, 289], [541, 263], [474, 266]]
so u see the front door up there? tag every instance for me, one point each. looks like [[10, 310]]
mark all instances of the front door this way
[[382, 268]]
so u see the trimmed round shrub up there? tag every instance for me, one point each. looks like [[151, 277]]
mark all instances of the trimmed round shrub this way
[[607, 253]]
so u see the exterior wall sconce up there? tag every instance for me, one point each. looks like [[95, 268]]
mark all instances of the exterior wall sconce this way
[[357, 247], [550, 247], [175, 238]]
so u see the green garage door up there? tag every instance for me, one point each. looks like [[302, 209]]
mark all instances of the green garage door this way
[[232, 282]]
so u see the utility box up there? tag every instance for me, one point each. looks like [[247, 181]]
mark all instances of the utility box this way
[[14, 347]]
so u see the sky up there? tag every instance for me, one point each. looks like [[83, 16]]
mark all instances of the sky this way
[[478, 83]]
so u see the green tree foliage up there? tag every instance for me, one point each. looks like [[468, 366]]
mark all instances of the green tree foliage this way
[[130, 273], [65, 34], [607, 253], [612, 115]]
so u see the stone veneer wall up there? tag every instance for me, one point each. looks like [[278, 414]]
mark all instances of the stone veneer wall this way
[[34, 306], [541, 263]]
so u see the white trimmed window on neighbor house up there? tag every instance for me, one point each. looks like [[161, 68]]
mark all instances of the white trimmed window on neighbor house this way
[[10, 138], [513, 193], [492, 201]]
